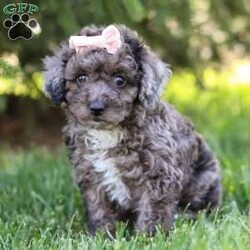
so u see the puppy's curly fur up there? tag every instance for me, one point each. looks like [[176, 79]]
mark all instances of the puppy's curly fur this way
[[134, 157]]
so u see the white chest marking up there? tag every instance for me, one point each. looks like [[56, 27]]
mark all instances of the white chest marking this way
[[103, 139], [99, 141]]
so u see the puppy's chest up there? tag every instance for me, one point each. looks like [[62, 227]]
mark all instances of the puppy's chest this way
[[101, 149]]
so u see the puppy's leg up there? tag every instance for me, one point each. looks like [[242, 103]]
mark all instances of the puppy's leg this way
[[158, 194], [153, 212], [203, 191], [99, 211]]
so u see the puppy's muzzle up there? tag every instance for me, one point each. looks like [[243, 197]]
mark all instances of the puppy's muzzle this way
[[97, 107]]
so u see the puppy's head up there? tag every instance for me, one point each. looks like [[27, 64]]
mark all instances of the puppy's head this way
[[98, 86]]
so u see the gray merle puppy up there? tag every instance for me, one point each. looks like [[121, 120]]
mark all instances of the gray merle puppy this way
[[135, 158]]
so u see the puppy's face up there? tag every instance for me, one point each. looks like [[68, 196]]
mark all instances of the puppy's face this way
[[102, 87]]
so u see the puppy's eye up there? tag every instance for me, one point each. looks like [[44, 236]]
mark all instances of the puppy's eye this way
[[120, 81], [82, 78]]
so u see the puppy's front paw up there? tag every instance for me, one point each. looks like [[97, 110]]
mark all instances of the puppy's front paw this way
[[149, 231], [102, 226]]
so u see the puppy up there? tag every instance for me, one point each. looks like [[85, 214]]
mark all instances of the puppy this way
[[135, 158]]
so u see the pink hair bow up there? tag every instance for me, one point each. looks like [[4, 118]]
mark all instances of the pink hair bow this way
[[110, 39]]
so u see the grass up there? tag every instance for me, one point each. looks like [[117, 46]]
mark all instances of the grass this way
[[41, 209]]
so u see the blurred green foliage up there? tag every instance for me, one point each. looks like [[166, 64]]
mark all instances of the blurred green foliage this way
[[7, 70], [185, 33]]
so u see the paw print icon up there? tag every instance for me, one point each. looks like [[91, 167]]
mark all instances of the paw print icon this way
[[21, 26]]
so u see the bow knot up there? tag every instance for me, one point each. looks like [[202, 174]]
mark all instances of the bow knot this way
[[110, 39]]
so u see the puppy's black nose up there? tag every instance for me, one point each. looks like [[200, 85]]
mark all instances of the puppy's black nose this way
[[96, 107]]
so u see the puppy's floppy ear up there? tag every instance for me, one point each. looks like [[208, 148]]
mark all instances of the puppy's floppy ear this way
[[54, 74], [154, 74]]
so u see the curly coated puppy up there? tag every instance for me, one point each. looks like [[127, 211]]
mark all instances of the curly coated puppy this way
[[135, 158]]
